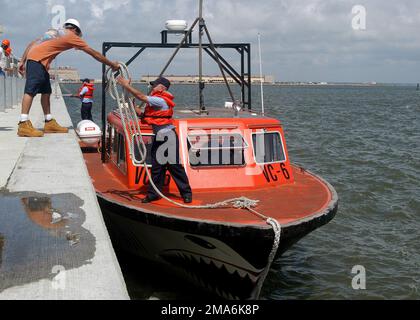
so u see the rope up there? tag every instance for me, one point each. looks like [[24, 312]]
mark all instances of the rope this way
[[132, 128], [277, 234]]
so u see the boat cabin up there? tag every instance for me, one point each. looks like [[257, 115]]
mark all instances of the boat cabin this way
[[219, 151]]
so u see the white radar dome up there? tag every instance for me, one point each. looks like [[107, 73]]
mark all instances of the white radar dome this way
[[176, 25]]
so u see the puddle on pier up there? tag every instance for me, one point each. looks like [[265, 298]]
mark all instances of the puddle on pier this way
[[38, 233]]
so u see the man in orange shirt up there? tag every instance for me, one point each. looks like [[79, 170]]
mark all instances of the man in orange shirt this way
[[36, 62]]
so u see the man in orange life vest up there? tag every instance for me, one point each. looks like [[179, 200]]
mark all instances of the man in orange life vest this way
[[158, 113], [86, 95], [5, 52]]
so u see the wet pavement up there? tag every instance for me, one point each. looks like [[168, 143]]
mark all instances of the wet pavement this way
[[41, 234], [54, 244]]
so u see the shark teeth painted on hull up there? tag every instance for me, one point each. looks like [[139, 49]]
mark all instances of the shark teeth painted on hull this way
[[231, 269], [198, 268]]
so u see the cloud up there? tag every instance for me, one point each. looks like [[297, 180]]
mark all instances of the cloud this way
[[99, 7], [301, 40]]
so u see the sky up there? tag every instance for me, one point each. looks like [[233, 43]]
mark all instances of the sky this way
[[305, 40]]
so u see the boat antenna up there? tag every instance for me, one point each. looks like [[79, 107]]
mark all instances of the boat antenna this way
[[200, 56], [261, 74]]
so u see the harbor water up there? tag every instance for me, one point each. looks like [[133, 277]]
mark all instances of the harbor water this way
[[365, 141]]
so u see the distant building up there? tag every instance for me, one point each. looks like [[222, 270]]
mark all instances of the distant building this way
[[65, 74], [206, 79]]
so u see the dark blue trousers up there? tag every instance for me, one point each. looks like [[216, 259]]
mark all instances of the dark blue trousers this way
[[86, 111], [176, 170]]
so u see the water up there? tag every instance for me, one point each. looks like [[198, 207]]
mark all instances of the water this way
[[366, 142]]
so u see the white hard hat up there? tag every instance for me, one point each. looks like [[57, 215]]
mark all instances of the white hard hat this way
[[73, 22]]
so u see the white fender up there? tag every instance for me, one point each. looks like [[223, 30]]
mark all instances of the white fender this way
[[89, 132]]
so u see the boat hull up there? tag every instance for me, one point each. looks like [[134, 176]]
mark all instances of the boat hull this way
[[223, 258]]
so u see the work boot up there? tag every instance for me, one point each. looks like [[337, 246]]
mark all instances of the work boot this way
[[148, 199], [187, 199], [53, 127], [25, 129]]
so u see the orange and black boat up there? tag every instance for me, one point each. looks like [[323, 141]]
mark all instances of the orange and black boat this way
[[225, 249]]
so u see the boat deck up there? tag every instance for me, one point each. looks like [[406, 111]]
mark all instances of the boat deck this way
[[307, 198], [221, 113], [214, 113]]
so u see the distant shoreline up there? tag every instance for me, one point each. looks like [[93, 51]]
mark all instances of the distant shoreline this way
[[279, 84]]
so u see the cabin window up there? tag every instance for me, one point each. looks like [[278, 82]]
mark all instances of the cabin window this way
[[221, 149], [118, 151], [110, 142], [268, 147], [148, 141]]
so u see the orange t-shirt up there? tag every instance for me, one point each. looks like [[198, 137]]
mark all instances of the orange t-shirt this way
[[46, 51]]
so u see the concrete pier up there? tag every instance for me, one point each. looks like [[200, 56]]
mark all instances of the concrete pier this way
[[53, 240]]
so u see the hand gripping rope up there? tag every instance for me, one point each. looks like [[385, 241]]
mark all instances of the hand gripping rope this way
[[132, 128]]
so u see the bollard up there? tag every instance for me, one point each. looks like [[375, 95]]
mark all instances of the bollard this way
[[21, 89], [2, 94], [8, 92], [21, 83], [14, 92]]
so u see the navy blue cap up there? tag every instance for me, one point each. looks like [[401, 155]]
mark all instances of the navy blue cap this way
[[162, 81]]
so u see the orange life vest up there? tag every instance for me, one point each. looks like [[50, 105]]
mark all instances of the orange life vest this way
[[89, 93], [8, 52], [160, 117]]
